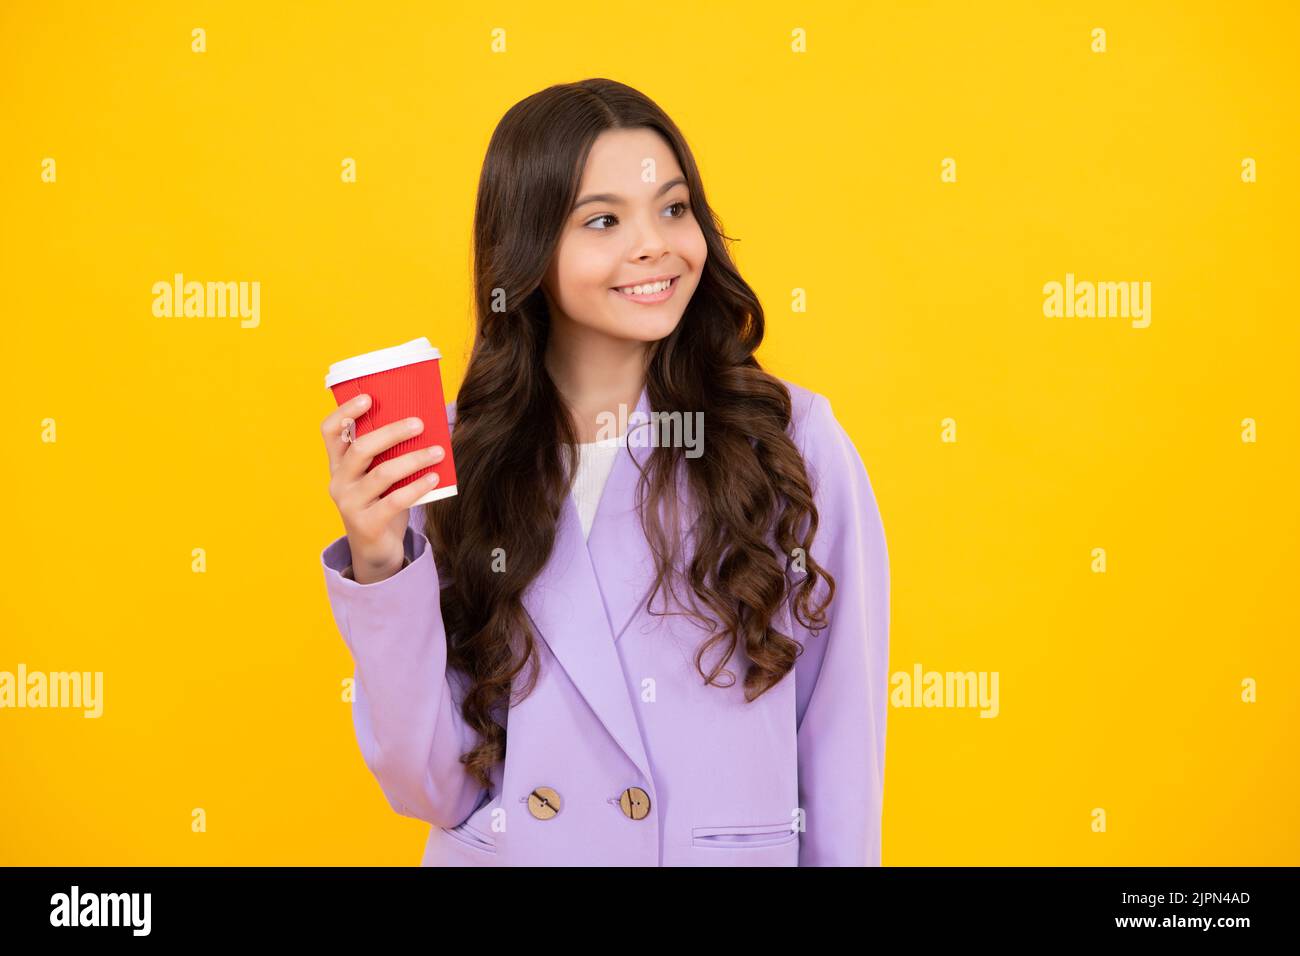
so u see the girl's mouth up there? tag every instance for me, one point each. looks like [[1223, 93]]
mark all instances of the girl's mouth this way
[[657, 291]]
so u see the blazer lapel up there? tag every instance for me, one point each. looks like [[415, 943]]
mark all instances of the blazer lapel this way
[[621, 557], [589, 591]]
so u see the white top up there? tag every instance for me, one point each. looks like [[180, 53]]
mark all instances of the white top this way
[[595, 459]]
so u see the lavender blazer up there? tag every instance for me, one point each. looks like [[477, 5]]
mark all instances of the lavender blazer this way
[[621, 756]]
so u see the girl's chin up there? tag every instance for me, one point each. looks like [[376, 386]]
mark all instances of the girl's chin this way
[[652, 328]]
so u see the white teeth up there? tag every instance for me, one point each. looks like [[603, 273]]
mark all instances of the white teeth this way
[[650, 289]]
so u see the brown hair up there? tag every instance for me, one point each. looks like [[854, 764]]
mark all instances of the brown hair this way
[[513, 438]]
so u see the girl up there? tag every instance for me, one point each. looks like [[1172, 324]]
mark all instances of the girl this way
[[514, 686]]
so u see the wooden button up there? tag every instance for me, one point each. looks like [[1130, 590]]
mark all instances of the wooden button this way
[[635, 802], [543, 803]]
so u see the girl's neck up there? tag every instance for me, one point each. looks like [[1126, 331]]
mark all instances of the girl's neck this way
[[595, 380]]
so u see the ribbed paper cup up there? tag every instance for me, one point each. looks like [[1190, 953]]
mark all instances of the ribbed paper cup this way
[[402, 382]]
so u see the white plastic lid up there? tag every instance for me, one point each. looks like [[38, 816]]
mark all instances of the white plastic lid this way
[[381, 360]]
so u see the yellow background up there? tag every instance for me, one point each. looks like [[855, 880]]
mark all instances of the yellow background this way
[[222, 690]]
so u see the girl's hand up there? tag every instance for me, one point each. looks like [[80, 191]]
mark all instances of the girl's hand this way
[[375, 526]]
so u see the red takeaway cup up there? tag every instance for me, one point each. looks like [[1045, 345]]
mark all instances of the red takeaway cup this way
[[402, 381]]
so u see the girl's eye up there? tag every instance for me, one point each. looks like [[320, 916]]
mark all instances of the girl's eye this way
[[609, 215]]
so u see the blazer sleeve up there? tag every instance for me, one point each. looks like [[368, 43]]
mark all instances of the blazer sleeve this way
[[407, 717], [841, 677]]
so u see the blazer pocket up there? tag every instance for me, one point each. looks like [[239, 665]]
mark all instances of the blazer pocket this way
[[471, 837], [775, 834]]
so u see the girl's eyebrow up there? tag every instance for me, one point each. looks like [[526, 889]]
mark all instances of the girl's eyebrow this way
[[615, 200]]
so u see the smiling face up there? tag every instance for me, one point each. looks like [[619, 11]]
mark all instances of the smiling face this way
[[631, 252]]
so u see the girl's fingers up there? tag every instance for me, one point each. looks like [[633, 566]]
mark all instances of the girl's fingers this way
[[332, 428], [382, 477], [361, 452], [404, 498]]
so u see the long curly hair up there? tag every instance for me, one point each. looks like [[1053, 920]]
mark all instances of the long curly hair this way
[[514, 442]]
